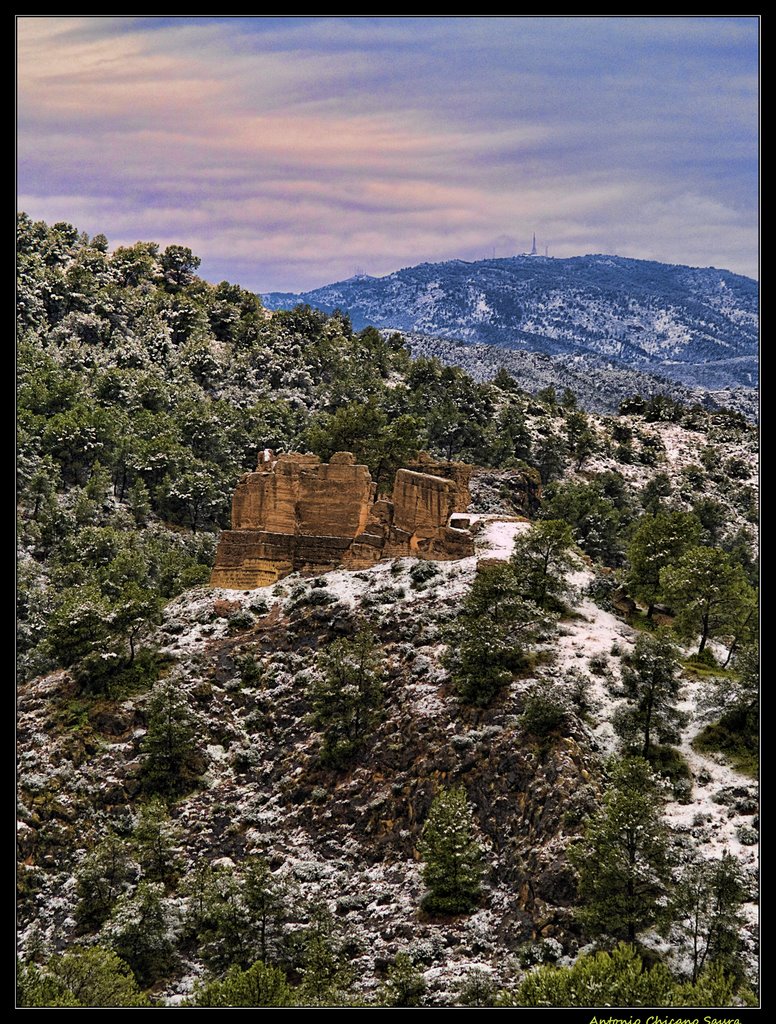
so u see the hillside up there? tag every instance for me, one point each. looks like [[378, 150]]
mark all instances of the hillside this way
[[599, 384], [241, 797], [695, 326]]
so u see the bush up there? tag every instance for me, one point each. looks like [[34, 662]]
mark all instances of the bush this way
[[619, 978], [260, 985], [545, 712], [422, 573]]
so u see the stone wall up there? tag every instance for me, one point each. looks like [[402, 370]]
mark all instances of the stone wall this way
[[297, 513]]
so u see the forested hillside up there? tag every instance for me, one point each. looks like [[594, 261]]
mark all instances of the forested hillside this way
[[398, 787]]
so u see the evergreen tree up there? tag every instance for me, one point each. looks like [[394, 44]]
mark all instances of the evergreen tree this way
[[80, 977], [658, 542], [651, 684], [495, 629], [259, 985], [405, 986], [540, 560], [710, 896], [139, 931], [105, 873], [347, 696], [324, 961], [622, 859], [710, 593], [619, 978], [172, 761], [155, 839], [452, 855]]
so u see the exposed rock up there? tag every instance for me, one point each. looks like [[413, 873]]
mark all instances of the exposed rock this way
[[296, 513]]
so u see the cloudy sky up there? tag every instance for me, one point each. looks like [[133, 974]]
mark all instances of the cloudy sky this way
[[287, 152]]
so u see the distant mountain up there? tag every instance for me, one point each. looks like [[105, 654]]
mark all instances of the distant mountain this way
[[598, 383], [694, 325]]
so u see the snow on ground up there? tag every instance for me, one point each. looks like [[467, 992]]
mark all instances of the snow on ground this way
[[496, 535], [713, 826]]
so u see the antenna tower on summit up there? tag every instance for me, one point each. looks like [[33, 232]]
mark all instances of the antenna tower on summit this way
[[533, 246]]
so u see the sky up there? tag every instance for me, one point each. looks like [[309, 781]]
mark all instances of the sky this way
[[290, 152]]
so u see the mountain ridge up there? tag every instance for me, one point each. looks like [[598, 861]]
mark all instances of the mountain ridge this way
[[694, 325]]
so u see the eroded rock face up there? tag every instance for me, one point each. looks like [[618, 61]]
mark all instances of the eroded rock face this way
[[297, 513]]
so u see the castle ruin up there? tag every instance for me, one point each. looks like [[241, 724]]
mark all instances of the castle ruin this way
[[296, 513]]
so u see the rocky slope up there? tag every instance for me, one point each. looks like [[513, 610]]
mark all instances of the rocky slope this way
[[350, 838], [696, 326]]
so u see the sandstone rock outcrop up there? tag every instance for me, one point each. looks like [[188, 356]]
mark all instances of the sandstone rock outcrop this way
[[297, 513]]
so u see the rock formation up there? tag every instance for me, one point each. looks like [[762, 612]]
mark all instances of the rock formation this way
[[297, 513]]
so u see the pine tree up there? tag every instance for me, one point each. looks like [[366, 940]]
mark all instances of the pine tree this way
[[489, 641], [622, 859], [259, 985], [651, 683], [405, 985], [452, 855], [710, 593], [540, 560], [659, 540], [172, 761], [347, 696], [711, 893]]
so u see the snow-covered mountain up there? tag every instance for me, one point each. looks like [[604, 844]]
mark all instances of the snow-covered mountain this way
[[697, 326]]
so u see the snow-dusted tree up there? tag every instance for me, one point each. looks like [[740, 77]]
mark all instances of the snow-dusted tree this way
[[651, 684], [237, 915], [140, 931], [658, 542], [172, 761], [260, 985], [710, 593], [406, 985], [101, 877], [622, 859], [346, 696], [489, 641], [540, 559], [154, 838], [81, 977], [710, 896], [452, 855]]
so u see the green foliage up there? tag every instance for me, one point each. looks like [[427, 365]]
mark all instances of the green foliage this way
[[405, 986], [171, 760], [599, 513], [324, 960], [618, 978], [622, 858], [544, 712], [104, 874], [710, 897], [90, 976], [735, 702], [259, 985], [658, 542], [452, 855], [540, 560], [155, 838], [139, 931], [651, 684], [711, 595], [489, 642], [477, 989], [376, 438], [237, 916], [346, 697]]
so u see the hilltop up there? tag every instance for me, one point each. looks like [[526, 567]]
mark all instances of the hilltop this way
[[695, 326]]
